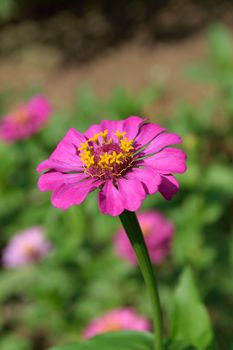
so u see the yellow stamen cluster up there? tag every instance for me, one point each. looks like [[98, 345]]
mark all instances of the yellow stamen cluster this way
[[119, 134], [126, 145], [86, 154], [102, 134], [107, 160]]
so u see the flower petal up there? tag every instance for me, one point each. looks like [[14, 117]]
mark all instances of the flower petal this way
[[52, 180], [161, 141], [39, 107], [94, 129], [147, 133], [169, 160], [169, 186], [72, 194], [131, 126], [110, 200], [148, 176], [66, 150], [132, 192], [65, 157], [112, 126], [50, 164]]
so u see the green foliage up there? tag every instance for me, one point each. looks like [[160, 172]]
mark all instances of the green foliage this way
[[190, 220], [125, 340], [220, 46], [14, 343], [219, 68], [120, 104], [220, 51], [7, 9], [190, 320]]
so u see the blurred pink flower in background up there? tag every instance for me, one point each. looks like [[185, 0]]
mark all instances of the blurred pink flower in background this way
[[125, 159], [157, 231], [26, 120], [115, 320], [26, 247]]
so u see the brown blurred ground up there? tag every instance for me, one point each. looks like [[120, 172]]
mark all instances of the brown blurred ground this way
[[102, 49], [130, 65]]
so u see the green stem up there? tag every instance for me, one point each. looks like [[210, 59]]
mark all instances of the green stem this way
[[132, 228]]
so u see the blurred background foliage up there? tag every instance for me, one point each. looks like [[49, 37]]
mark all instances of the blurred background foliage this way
[[51, 302]]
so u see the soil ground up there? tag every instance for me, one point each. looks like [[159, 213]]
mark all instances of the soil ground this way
[[60, 48], [130, 65]]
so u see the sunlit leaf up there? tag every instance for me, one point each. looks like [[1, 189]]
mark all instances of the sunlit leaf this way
[[190, 319]]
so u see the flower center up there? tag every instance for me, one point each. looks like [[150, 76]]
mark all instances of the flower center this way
[[146, 229], [21, 116], [30, 251], [105, 158], [111, 326]]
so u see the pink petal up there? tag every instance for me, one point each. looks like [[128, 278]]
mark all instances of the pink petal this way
[[72, 194], [110, 200], [161, 141], [112, 126], [132, 192], [149, 177], [169, 186], [39, 107], [50, 164], [148, 132], [52, 180], [94, 129], [65, 157], [131, 126], [168, 161], [66, 150]]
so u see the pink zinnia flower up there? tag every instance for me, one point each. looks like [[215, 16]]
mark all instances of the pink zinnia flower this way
[[126, 160], [157, 231], [115, 320], [25, 120], [26, 247]]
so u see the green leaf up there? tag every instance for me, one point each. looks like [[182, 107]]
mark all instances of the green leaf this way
[[123, 340], [174, 345], [190, 319]]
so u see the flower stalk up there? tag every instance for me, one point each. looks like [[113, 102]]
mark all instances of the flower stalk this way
[[133, 230]]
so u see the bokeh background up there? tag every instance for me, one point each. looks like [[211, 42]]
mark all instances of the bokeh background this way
[[171, 61]]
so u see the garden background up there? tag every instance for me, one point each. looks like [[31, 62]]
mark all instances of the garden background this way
[[170, 61]]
